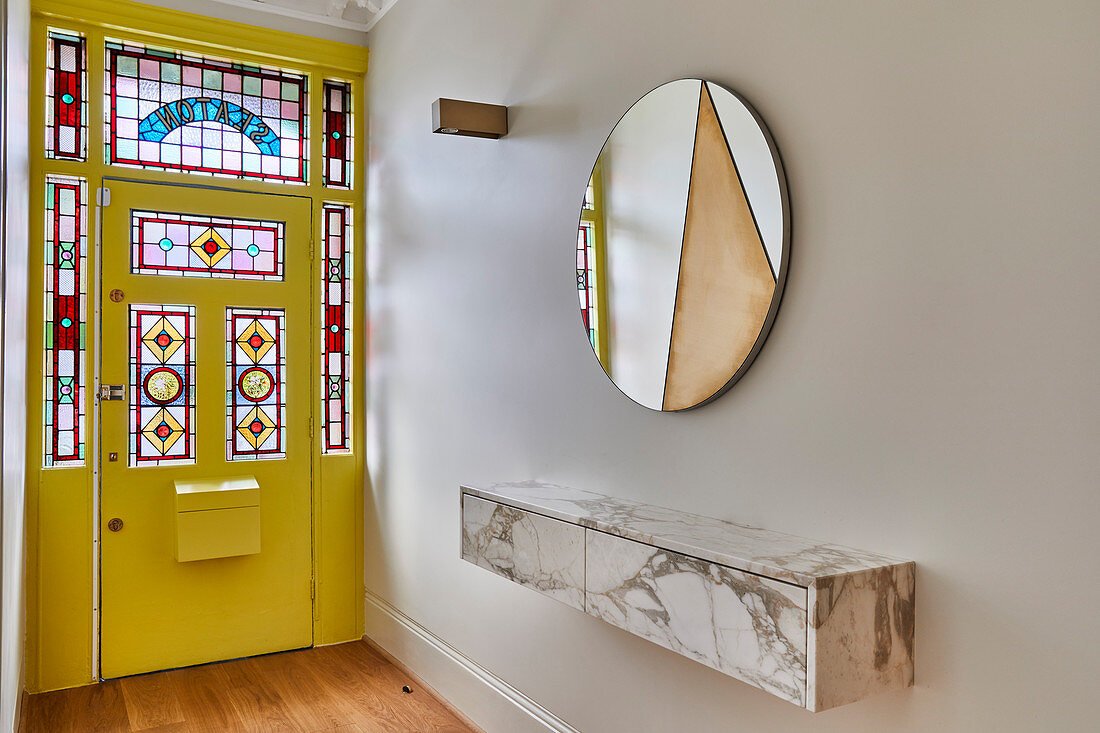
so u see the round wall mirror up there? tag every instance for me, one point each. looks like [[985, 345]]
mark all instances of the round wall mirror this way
[[682, 245]]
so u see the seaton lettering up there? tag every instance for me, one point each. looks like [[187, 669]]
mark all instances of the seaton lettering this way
[[222, 115], [194, 110]]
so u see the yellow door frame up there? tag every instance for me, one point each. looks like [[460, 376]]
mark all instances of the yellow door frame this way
[[62, 506]]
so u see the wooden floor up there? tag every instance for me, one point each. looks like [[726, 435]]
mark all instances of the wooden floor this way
[[348, 687]]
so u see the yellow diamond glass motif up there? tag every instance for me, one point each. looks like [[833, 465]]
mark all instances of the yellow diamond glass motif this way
[[256, 427], [162, 339], [255, 341], [210, 247], [162, 431]]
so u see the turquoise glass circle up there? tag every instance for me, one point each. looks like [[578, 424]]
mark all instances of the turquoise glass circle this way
[[165, 244], [67, 98], [252, 250]]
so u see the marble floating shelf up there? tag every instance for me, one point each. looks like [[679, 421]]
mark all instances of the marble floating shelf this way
[[817, 624]]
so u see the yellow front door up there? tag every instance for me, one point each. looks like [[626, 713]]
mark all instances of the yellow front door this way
[[205, 489]]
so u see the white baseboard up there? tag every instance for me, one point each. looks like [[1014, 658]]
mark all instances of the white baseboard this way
[[485, 698]]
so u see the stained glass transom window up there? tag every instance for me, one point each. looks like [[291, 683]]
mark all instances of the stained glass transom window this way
[[336, 357], [255, 391], [66, 102], [162, 384], [65, 313], [586, 278], [338, 134], [205, 246], [171, 110]]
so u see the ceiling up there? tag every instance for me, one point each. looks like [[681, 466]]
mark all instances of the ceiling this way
[[356, 15]]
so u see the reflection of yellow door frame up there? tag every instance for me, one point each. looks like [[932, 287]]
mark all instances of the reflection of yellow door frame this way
[[595, 216], [62, 502]]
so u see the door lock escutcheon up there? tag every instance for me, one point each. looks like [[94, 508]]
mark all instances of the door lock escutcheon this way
[[115, 524], [112, 392]]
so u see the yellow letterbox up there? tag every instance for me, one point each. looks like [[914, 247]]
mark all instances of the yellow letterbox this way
[[217, 517]]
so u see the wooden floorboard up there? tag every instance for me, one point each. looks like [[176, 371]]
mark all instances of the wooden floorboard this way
[[349, 688]]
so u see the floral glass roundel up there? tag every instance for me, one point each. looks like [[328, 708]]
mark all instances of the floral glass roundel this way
[[682, 245], [163, 385], [256, 384]]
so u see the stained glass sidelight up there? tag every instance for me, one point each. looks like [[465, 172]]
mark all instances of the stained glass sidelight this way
[[66, 103], [162, 384], [586, 278], [590, 197], [255, 390], [338, 135], [336, 357], [65, 314], [175, 111], [205, 246]]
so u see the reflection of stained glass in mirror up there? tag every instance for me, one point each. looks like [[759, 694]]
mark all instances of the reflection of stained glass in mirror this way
[[590, 197], [336, 354], [338, 134], [171, 110], [66, 104], [255, 391], [162, 378], [64, 311], [586, 279], [206, 246]]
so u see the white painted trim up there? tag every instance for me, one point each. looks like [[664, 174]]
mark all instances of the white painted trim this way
[[263, 7], [487, 699]]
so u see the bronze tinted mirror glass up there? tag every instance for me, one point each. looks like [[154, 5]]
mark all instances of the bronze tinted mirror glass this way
[[682, 245]]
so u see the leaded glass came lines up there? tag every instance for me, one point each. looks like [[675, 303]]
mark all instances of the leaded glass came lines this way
[[255, 390], [162, 379], [336, 356], [66, 102], [65, 314], [170, 110], [204, 246], [338, 134]]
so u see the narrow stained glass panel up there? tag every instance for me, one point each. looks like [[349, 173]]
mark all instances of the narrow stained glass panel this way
[[255, 390], [162, 384], [65, 314], [336, 355], [586, 278], [66, 102], [175, 111], [338, 134], [205, 246]]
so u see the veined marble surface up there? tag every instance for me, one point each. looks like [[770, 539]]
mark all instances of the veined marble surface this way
[[530, 549], [743, 625], [766, 552]]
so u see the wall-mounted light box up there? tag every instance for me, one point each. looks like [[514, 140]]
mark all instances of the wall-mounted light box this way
[[472, 119]]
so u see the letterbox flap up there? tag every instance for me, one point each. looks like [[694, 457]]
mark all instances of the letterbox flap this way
[[217, 493]]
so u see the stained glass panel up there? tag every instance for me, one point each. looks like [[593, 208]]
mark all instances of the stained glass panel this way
[[590, 197], [65, 314], [66, 103], [255, 391], [171, 110], [162, 384], [338, 134], [204, 246], [586, 277], [336, 357]]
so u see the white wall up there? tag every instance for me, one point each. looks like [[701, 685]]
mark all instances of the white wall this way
[[13, 349], [929, 389]]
